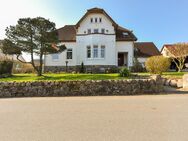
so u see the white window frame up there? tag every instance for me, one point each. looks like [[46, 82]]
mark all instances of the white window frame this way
[[87, 49], [96, 20], [103, 51], [69, 50], [100, 20], [88, 31], [103, 31], [55, 58], [91, 20], [95, 51], [96, 30]]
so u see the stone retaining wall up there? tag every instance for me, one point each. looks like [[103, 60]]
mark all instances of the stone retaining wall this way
[[80, 88], [88, 68]]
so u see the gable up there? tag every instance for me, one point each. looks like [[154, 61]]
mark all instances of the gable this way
[[68, 33]]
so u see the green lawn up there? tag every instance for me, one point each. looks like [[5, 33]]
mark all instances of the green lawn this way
[[66, 77], [61, 77], [168, 74]]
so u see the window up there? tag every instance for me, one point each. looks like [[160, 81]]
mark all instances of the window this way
[[88, 51], [91, 20], [95, 51], [96, 31], [125, 34], [55, 57], [103, 30], [102, 51], [69, 53], [100, 20], [95, 20], [89, 31]]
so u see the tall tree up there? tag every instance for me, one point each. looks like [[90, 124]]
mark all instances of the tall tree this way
[[35, 36], [179, 53]]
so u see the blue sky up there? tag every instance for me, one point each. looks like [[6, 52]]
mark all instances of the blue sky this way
[[159, 21]]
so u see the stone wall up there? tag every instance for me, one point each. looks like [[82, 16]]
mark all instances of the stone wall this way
[[80, 88], [88, 69]]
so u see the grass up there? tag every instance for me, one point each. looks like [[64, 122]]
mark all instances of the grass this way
[[67, 77], [61, 77], [172, 75]]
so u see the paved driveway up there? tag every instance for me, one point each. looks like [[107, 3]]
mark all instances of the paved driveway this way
[[126, 118]]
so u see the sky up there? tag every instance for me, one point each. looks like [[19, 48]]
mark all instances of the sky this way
[[158, 21]]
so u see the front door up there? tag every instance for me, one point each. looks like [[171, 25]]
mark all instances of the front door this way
[[120, 59]]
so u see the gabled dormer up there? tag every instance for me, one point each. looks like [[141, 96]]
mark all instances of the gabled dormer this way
[[95, 21]]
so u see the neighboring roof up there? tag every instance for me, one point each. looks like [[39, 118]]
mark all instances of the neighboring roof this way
[[175, 51], [68, 32], [146, 49]]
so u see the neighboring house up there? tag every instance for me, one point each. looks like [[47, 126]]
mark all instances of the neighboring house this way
[[97, 41], [167, 51], [144, 50]]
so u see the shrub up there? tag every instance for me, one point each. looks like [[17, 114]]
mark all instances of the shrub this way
[[157, 64], [19, 67], [112, 70], [124, 72], [6, 67], [82, 68], [137, 66]]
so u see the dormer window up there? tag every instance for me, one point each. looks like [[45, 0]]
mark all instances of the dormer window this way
[[125, 34], [100, 20], [96, 31], [95, 20], [91, 20]]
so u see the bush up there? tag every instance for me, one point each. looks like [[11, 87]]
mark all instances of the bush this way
[[6, 67], [157, 64], [137, 66], [19, 67], [124, 72], [112, 70], [82, 68]]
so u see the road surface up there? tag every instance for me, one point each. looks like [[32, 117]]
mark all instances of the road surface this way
[[115, 118]]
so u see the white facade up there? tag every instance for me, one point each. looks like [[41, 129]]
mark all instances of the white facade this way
[[103, 46]]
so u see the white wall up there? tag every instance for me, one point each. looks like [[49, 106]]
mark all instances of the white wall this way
[[96, 39], [62, 57], [142, 60], [83, 40], [123, 46], [86, 24]]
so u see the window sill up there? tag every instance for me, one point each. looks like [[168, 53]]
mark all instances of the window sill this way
[[95, 58]]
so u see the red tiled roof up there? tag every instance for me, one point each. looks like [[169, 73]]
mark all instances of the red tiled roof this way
[[146, 49], [176, 52]]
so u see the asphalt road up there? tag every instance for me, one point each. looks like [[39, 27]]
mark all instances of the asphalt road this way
[[121, 118]]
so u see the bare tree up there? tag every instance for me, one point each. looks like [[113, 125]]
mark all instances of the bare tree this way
[[179, 53]]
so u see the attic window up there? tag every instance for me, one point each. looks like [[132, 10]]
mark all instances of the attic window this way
[[100, 20], [95, 20], [125, 34]]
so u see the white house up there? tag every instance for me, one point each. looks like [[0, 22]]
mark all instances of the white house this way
[[97, 41]]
